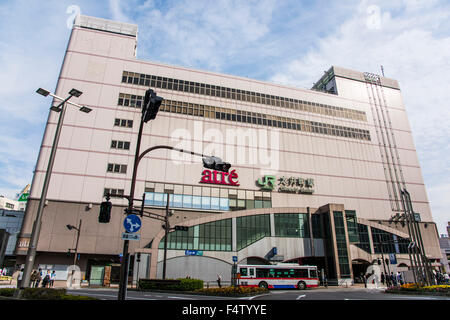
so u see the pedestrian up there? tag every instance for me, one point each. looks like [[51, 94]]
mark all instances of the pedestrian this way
[[46, 279], [33, 279], [446, 278], [393, 280], [19, 279], [38, 278], [399, 278], [219, 279], [382, 278], [52, 279]]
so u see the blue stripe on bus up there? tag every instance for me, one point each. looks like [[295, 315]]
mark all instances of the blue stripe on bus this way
[[281, 286]]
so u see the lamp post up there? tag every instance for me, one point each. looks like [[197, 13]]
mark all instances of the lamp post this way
[[31, 253], [70, 227]]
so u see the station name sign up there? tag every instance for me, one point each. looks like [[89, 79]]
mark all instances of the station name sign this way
[[218, 177], [286, 184]]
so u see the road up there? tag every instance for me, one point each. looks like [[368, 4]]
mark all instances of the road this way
[[313, 294]]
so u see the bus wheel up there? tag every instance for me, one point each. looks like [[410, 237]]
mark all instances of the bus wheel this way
[[263, 285], [301, 285]]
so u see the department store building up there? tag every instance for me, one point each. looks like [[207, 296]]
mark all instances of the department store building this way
[[315, 179]]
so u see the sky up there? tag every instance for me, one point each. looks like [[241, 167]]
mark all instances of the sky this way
[[289, 42]]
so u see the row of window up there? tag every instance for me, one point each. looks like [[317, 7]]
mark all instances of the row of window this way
[[116, 168], [203, 202], [261, 119], [206, 191], [119, 192], [240, 95], [249, 229], [123, 123], [211, 236], [125, 145]]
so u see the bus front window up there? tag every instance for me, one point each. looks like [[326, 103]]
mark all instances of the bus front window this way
[[313, 273], [244, 272]]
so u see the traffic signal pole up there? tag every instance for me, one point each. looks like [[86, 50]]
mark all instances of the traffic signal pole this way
[[149, 111], [125, 257]]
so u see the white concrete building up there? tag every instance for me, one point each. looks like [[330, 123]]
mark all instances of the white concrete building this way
[[315, 173]]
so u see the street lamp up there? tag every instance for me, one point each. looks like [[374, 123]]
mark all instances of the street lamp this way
[[31, 253], [70, 227]]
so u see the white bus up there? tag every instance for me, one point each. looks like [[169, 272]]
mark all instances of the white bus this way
[[279, 276]]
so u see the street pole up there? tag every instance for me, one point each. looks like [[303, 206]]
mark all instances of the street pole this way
[[76, 246], [31, 254], [124, 266], [166, 233]]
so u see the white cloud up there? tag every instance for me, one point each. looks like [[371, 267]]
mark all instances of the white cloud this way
[[413, 49]]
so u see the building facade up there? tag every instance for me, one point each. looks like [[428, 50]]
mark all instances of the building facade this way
[[315, 178]]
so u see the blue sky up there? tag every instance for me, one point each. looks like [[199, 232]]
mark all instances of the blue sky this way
[[288, 42]]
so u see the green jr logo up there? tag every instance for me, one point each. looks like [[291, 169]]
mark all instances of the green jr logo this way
[[267, 183]]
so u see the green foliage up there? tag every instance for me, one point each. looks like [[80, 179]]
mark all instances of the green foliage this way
[[43, 293], [7, 292], [171, 284]]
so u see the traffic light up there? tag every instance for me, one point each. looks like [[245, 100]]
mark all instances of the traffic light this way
[[216, 164], [105, 212], [181, 228], [138, 257], [151, 105]]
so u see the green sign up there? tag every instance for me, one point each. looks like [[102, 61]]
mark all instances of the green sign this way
[[286, 184], [24, 197]]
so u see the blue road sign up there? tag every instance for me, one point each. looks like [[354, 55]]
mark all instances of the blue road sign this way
[[193, 252], [132, 223], [234, 258]]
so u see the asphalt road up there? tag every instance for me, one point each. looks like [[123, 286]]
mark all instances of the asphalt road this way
[[311, 294]]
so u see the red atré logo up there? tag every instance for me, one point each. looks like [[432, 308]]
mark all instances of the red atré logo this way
[[218, 177]]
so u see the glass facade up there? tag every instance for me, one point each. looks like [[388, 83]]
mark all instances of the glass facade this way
[[11, 221], [363, 235], [352, 226], [291, 225], [211, 236], [385, 242], [205, 198], [251, 229], [341, 244]]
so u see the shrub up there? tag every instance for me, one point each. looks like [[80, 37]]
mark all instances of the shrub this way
[[43, 293], [7, 292]]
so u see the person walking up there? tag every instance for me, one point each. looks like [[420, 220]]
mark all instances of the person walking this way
[[52, 279], [38, 278], [219, 279], [399, 278], [393, 279], [46, 279], [382, 278], [33, 279], [19, 279]]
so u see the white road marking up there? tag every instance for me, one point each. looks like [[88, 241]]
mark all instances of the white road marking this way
[[180, 298], [301, 296]]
